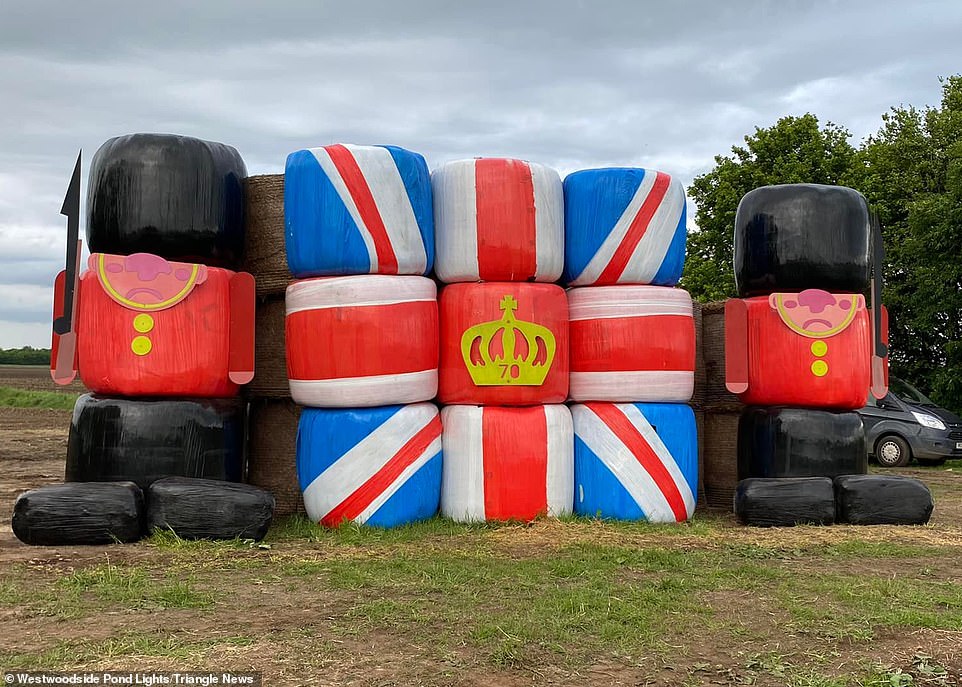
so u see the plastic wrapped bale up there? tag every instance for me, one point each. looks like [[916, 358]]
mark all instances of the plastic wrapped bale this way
[[635, 461], [809, 349], [631, 343], [503, 343], [177, 197], [209, 509], [353, 209], [146, 326], [624, 226], [114, 439], [88, 513], [786, 501], [800, 442], [362, 341], [373, 466], [882, 500], [498, 219], [801, 236], [507, 463]]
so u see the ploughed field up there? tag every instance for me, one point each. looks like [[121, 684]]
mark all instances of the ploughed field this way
[[573, 602]]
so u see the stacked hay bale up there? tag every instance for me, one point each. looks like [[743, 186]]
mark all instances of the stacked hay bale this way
[[273, 415]]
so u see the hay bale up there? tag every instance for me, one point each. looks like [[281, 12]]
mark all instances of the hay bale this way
[[716, 396], [698, 393], [700, 429], [720, 458], [265, 255], [270, 359], [271, 462]]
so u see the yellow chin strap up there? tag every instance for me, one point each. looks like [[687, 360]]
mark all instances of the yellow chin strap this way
[[104, 279], [783, 313]]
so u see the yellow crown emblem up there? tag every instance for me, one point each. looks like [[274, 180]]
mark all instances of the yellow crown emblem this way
[[508, 351]]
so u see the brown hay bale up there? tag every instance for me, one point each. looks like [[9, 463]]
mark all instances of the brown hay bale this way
[[698, 395], [716, 396], [265, 255], [271, 460], [700, 427], [270, 360], [720, 458]]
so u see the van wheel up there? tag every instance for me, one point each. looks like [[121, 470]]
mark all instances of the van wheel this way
[[892, 452]]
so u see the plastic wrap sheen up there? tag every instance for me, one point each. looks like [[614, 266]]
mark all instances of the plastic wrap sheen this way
[[800, 442], [882, 500], [362, 341], [635, 461], [631, 343], [503, 343], [786, 501], [811, 349], [507, 463], [145, 440], [498, 219], [177, 197], [624, 226], [801, 236], [180, 350], [373, 466], [209, 509], [88, 513], [358, 210]]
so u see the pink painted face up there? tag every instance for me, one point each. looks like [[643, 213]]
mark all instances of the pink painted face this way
[[815, 313], [146, 282]]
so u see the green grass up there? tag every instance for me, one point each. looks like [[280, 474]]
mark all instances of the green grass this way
[[21, 398]]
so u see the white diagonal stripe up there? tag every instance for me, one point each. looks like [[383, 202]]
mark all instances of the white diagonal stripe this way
[[342, 478], [330, 169], [606, 251], [650, 252], [432, 450], [393, 205]]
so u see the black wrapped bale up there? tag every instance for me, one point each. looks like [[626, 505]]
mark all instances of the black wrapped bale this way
[[177, 197], [80, 513], [882, 500], [800, 442], [802, 236], [145, 440], [785, 502], [209, 509]]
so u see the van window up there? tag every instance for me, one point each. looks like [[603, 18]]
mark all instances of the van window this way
[[908, 393]]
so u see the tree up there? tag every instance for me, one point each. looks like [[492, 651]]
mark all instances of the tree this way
[[912, 175], [794, 150]]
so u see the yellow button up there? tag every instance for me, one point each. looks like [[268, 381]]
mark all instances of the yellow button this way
[[141, 345], [819, 368], [819, 348], [143, 323]]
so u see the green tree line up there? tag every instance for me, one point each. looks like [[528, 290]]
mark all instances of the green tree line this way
[[910, 171], [25, 356]]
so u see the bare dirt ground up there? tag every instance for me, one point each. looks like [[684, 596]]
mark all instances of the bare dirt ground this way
[[276, 610]]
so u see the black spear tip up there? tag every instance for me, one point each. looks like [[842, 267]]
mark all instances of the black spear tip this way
[[72, 199]]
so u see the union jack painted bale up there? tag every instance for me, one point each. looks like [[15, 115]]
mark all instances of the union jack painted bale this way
[[631, 343], [624, 226], [635, 461], [503, 343], [507, 463], [353, 209], [498, 219], [362, 341], [374, 466]]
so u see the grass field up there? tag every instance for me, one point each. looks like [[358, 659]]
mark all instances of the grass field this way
[[582, 602]]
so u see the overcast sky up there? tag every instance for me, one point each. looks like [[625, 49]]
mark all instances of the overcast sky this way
[[568, 84]]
